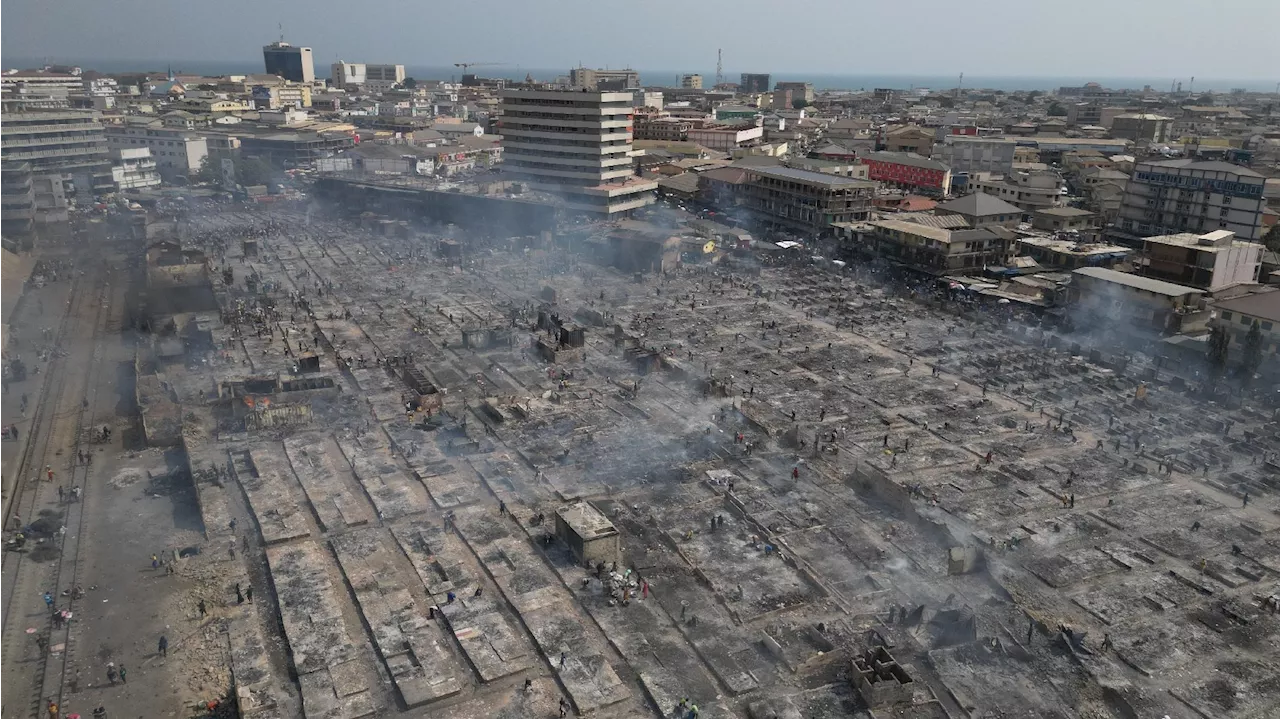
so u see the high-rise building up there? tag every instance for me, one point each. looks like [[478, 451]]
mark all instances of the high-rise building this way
[[691, 82], [754, 82], [574, 142], [66, 153], [1175, 196], [289, 62]]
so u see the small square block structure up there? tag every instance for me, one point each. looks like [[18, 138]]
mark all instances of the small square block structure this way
[[589, 534], [879, 679]]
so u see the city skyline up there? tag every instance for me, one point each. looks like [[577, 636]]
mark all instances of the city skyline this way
[[1098, 39]]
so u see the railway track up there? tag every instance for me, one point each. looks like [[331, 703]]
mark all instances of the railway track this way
[[58, 433]]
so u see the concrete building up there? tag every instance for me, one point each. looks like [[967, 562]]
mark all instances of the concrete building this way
[[297, 149], [753, 82], [1210, 261], [1029, 190], [348, 75], [1122, 301], [909, 171], [939, 250], [66, 152], [1141, 127], [648, 99], [17, 200], [454, 130], [982, 210], [910, 138], [783, 99], [1238, 315], [976, 154], [691, 82], [393, 74], [134, 168], [604, 80], [738, 113], [177, 152], [291, 63], [804, 201], [1063, 219], [590, 535], [799, 90], [275, 97], [725, 138], [666, 129], [575, 143], [1171, 196], [1071, 254]]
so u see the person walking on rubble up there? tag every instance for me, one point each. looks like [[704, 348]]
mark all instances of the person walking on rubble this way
[[163, 646]]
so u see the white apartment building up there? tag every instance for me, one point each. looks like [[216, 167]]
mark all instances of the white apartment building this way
[[176, 151], [134, 168], [362, 76], [1176, 196], [575, 143], [393, 74], [348, 75]]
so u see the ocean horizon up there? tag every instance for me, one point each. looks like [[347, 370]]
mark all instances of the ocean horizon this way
[[670, 78]]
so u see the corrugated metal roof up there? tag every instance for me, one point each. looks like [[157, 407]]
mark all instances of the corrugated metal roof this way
[[807, 176], [1146, 284]]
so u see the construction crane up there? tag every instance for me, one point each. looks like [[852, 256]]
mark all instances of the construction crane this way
[[465, 65]]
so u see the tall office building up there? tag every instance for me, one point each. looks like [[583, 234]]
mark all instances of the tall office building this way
[[289, 62], [754, 82], [577, 143]]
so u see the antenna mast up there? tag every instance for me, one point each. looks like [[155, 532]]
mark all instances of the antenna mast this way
[[719, 67]]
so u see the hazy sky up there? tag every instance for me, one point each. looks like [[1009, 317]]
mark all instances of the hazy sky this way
[[1102, 38]]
